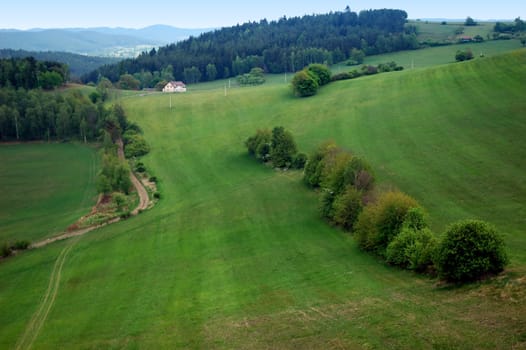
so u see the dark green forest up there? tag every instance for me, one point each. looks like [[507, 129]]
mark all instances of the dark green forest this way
[[28, 112], [28, 73], [288, 44]]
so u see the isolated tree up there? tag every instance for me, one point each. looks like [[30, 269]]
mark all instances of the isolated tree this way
[[282, 147], [470, 22], [464, 55]]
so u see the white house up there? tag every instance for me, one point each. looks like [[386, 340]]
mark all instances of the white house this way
[[175, 86]]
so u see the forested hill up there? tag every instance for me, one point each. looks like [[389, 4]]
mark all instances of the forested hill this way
[[78, 64], [277, 46]]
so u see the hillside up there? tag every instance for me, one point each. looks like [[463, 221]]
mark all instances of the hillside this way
[[235, 255], [277, 46], [78, 64]]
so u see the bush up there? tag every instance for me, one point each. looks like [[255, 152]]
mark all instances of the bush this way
[[469, 250], [314, 168], [157, 195], [347, 207], [254, 143], [326, 205], [321, 72], [140, 167], [282, 147], [304, 84], [136, 146], [5, 250], [20, 245], [153, 179], [382, 221], [119, 200], [465, 55], [412, 249], [298, 162]]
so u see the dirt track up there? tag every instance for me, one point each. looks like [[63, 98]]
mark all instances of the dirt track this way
[[144, 201]]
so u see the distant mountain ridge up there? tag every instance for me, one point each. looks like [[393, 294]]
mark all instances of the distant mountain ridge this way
[[99, 41]]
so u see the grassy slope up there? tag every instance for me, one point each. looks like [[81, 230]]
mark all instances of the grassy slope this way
[[234, 256], [47, 187]]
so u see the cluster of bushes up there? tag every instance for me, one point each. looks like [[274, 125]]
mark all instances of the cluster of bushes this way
[[393, 226], [256, 76], [345, 181], [276, 146], [6, 249], [367, 70], [307, 81]]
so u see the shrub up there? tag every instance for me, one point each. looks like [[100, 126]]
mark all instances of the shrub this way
[[383, 220], [365, 229], [312, 175], [469, 250], [298, 162], [465, 55], [369, 70], [412, 249], [254, 142], [153, 179], [326, 205], [347, 207], [136, 146], [5, 250], [304, 84], [157, 195], [140, 167], [20, 245], [282, 147], [392, 211], [321, 72], [119, 200]]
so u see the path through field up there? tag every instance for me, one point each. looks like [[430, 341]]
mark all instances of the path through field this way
[[144, 201], [39, 317]]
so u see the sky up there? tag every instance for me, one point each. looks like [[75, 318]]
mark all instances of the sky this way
[[26, 14]]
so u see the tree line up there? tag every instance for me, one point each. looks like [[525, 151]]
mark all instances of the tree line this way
[[28, 73], [391, 225], [287, 44]]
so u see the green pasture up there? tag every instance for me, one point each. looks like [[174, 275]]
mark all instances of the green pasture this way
[[235, 255], [437, 32], [45, 188]]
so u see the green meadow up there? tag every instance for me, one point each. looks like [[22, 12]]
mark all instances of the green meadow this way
[[46, 188], [235, 255]]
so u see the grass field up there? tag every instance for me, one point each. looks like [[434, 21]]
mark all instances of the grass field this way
[[46, 187], [437, 32], [235, 256]]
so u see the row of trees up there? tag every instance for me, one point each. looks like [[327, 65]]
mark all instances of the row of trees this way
[[307, 81], [277, 46], [28, 73], [393, 226]]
